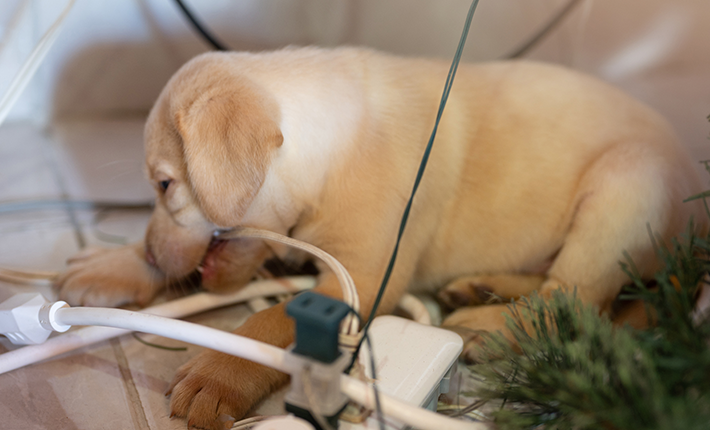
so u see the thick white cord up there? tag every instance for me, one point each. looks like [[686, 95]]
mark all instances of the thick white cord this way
[[35, 278], [415, 308], [193, 304], [196, 334], [257, 352], [350, 295], [30, 66], [361, 392]]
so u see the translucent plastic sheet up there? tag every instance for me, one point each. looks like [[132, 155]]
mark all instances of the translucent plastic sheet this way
[[655, 49]]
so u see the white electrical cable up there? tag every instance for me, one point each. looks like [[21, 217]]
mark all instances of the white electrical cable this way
[[424, 419], [252, 350], [115, 322], [179, 308], [34, 278], [183, 307], [415, 308], [218, 340], [32, 63], [350, 295], [250, 422]]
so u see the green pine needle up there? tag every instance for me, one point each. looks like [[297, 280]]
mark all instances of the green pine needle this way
[[573, 369]]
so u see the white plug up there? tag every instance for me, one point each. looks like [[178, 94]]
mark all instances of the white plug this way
[[317, 385], [28, 318]]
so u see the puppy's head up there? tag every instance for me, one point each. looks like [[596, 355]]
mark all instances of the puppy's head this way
[[209, 141]]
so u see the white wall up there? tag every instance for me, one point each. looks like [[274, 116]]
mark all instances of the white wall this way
[[114, 55]]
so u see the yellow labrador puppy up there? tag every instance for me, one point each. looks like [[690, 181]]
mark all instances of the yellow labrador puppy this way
[[539, 178]]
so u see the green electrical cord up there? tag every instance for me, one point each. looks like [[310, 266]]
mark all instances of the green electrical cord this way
[[422, 166]]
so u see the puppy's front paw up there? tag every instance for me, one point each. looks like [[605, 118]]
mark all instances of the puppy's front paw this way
[[472, 341], [109, 277], [214, 389], [473, 323]]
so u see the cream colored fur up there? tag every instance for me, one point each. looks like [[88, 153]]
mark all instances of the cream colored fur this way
[[539, 178]]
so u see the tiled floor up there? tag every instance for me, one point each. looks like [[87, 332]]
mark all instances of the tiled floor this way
[[116, 384]]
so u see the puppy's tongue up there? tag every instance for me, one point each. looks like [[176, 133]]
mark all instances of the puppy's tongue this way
[[208, 266]]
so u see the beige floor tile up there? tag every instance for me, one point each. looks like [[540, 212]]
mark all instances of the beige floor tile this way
[[26, 166], [38, 240], [102, 159], [111, 228], [84, 390], [152, 368]]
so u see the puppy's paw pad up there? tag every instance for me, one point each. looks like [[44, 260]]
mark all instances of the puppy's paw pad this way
[[213, 388]]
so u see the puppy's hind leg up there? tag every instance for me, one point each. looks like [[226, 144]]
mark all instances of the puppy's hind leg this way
[[627, 189], [631, 192]]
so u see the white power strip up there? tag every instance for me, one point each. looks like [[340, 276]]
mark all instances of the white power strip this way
[[414, 363]]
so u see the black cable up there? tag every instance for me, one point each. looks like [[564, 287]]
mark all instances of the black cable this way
[[201, 29], [373, 366], [422, 166], [544, 31], [556, 20], [522, 50]]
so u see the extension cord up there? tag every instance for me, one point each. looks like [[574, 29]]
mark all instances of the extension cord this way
[[414, 364], [412, 361]]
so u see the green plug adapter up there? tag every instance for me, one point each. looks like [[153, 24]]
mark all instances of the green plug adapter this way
[[317, 325]]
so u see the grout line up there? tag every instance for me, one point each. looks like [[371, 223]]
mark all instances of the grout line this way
[[53, 161], [138, 415], [140, 420], [78, 233]]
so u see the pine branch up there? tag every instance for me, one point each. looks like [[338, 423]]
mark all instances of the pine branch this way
[[573, 370]]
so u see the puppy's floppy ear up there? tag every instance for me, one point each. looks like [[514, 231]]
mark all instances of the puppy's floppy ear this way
[[228, 139]]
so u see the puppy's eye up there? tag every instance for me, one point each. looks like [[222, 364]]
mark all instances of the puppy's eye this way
[[164, 184]]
